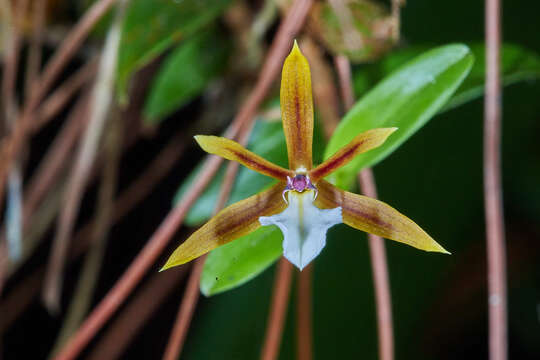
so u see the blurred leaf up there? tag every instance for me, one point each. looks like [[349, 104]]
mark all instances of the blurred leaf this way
[[361, 30], [517, 64], [406, 99], [151, 26], [235, 263], [185, 73]]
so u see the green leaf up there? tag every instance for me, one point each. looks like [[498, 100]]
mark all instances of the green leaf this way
[[151, 26], [237, 262], [517, 64], [185, 73], [406, 99]]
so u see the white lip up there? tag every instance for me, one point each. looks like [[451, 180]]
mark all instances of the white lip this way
[[304, 227]]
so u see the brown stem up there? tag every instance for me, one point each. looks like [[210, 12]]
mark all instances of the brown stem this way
[[303, 311], [496, 251], [100, 103], [33, 63], [324, 89], [144, 260], [13, 144], [381, 280], [126, 201], [55, 158], [9, 101], [191, 294], [185, 313], [58, 99], [278, 310], [81, 300], [376, 245]]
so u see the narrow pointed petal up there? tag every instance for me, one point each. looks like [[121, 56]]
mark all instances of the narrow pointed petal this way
[[234, 221], [361, 143], [304, 227], [297, 109], [232, 150], [375, 217]]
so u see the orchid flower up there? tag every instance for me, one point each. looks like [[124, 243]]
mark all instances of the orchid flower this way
[[302, 204]]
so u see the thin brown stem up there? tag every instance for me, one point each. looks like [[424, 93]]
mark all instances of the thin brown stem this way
[[324, 89], [61, 96], [381, 280], [192, 293], [138, 312], [9, 101], [13, 144], [343, 68], [496, 249], [33, 63], [278, 310], [304, 311], [376, 245], [126, 201], [185, 313], [396, 15], [157, 243], [55, 158], [100, 104], [81, 300], [144, 260]]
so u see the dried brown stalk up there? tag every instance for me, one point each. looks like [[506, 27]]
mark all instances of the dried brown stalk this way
[[8, 102], [376, 245], [192, 292], [100, 104], [12, 145], [278, 310], [496, 248], [61, 96], [304, 312], [81, 300], [125, 327], [33, 63], [324, 90]]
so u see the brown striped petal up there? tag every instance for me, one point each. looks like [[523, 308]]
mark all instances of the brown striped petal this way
[[234, 221], [297, 109], [375, 217], [232, 150], [361, 143]]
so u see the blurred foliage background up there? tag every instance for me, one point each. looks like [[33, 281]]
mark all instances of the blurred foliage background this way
[[184, 67]]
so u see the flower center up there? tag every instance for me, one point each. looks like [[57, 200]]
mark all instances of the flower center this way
[[298, 183]]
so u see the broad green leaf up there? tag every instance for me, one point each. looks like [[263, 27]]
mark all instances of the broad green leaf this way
[[517, 64], [406, 99], [237, 262], [151, 26], [185, 73]]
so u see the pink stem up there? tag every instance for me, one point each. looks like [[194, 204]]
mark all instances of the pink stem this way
[[496, 252], [376, 245]]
